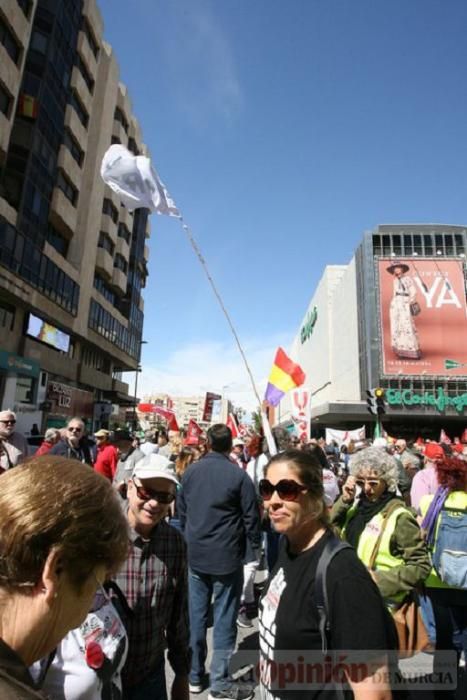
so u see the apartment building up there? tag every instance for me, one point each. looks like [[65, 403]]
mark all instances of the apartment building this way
[[73, 260]]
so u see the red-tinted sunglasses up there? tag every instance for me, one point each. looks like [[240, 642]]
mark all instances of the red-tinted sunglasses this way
[[287, 489], [146, 494]]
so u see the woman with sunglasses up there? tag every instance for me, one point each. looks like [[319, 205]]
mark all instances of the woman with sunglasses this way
[[292, 663], [378, 524]]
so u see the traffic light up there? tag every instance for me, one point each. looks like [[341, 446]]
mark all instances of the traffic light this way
[[375, 403]]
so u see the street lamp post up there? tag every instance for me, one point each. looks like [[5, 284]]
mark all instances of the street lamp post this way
[[138, 370]]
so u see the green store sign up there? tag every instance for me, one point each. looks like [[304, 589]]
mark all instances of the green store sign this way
[[439, 399], [307, 328]]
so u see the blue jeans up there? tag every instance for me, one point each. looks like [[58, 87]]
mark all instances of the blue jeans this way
[[227, 590], [152, 688]]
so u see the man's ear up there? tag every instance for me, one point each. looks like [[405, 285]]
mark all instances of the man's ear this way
[[51, 576]]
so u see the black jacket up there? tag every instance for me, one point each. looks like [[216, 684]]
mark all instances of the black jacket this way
[[219, 513], [82, 453]]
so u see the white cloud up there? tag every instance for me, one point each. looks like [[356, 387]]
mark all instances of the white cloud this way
[[201, 64], [214, 366]]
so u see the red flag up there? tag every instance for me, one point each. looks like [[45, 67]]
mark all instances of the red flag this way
[[145, 407], [231, 423], [169, 416], [194, 433], [443, 437]]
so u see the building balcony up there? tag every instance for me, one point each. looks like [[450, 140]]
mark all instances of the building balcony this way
[[63, 215], [51, 361], [123, 101], [119, 281], [120, 387], [146, 253], [119, 133], [141, 304], [87, 55], [126, 218], [113, 196], [77, 83], [70, 167], [76, 128], [93, 16], [20, 24], [110, 228], [5, 126], [93, 378], [11, 74], [123, 248], [104, 263]]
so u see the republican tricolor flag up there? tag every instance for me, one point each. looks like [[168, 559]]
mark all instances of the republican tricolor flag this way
[[285, 375]]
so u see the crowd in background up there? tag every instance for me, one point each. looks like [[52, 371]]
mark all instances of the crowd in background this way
[[200, 520]]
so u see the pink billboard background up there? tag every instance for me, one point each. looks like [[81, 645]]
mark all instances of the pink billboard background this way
[[420, 343]]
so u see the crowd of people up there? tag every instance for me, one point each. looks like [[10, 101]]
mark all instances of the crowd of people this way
[[113, 550]]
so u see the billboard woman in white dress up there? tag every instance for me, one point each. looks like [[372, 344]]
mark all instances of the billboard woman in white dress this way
[[404, 337]]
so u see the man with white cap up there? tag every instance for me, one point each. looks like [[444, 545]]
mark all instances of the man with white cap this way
[[154, 583], [13, 445], [237, 454]]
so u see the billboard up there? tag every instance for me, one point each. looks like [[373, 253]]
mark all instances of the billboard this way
[[47, 333], [423, 316]]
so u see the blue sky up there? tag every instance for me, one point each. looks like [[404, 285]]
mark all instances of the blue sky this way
[[283, 130]]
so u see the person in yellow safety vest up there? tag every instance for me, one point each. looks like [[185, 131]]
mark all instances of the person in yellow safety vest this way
[[383, 530], [448, 507]]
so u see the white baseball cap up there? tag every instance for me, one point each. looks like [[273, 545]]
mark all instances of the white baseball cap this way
[[155, 466]]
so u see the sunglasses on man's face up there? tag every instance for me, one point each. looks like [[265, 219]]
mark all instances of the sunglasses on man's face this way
[[287, 489], [146, 494], [72, 429], [8, 422]]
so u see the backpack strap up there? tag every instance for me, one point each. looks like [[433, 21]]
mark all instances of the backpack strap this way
[[112, 587], [332, 547]]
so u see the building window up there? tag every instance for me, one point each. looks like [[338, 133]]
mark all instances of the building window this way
[[114, 140], [120, 117], [10, 43], [124, 233], [83, 116], [73, 146], [7, 316], [120, 263], [26, 259], [5, 101], [39, 42], [26, 6], [109, 209], [24, 389], [90, 37], [102, 322], [58, 241], [105, 243], [84, 73], [95, 359], [104, 289], [70, 192], [132, 146]]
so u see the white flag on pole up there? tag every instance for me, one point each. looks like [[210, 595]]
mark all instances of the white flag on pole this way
[[135, 181]]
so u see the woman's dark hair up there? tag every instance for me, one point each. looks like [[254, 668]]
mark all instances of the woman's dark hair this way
[[308, 469], [184, 458], [452, 473], [254, 446], [318, 453]]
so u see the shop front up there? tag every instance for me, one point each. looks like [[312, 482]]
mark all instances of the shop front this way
[[64, 402]]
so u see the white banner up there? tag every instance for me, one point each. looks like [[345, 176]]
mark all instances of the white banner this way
[[343, 437], [135, 181], [300, 412]]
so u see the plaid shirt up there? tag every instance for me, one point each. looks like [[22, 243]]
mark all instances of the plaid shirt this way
[[154, 583]]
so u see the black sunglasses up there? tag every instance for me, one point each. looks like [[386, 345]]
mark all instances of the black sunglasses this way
[[146, 494], [8, 422], [287, 489]]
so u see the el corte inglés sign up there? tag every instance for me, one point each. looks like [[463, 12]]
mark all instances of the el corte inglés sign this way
[[438, 399]]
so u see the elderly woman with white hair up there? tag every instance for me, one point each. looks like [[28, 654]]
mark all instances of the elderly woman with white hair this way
[[383, 530]]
